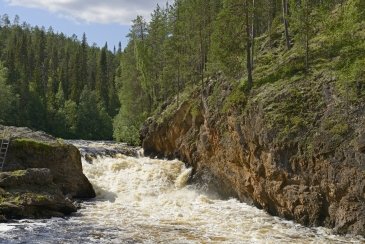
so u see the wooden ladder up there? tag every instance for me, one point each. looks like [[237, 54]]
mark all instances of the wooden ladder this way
[[5, 141]]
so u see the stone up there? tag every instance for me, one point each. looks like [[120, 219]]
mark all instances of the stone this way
[[314, 176], [26, 177], [34, 149], [32, 193], [42, 177]]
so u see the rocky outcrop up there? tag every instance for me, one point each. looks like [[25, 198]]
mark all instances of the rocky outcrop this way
[[31, 193], [295, 150], [40, 175], [29, 149], [63, 160]]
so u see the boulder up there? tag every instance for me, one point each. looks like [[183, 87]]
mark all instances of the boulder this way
[[31, 193], [34, 149], [40, 171]]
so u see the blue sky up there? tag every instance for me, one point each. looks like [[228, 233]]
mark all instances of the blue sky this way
[[101, 20]]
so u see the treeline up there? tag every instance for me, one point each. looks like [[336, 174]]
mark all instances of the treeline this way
[[56, 83], [191, 39], [66, 87]]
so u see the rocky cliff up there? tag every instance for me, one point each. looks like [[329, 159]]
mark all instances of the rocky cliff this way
[[295, 149], [41, 175]]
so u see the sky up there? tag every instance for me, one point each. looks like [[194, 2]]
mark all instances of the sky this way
[[102, 20]]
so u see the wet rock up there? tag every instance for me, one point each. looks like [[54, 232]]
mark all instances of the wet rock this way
[[31, 193], [26, 177], [90, 150]]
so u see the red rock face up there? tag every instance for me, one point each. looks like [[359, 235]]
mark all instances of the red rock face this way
[[324, 188]]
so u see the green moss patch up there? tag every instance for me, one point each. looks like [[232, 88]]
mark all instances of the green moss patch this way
[[33, 145], [18, 173]]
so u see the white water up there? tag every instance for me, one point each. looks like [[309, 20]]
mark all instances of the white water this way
[[141, 200]]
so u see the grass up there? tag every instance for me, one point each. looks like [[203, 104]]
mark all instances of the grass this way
[[336, 125], [236, 98]]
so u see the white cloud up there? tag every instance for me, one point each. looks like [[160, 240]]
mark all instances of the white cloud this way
[[94, 11]]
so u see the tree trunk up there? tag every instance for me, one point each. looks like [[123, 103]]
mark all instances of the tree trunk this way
[[306, 53], [286, 23], [307, 35], [201, 59], [178, 83], [248, 47], [253, 34]]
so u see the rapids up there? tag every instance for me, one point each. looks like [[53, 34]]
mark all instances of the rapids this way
[[142, 200]]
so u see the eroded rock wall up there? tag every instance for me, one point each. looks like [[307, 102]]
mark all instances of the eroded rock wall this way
[[302, 168]]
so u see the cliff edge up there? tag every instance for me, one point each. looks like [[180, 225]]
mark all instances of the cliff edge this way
[[294, 148]]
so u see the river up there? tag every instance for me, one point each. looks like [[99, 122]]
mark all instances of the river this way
[[143, 200]]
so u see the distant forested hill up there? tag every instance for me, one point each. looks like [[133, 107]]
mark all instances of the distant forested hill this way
[[56, 83]]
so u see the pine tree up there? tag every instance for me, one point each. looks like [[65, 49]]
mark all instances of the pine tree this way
[[7, 99], [49, 71], [102, 76]]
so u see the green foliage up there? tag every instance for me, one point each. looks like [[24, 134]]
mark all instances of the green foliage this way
[[66, 87], [287, 71], [8, 100], [352, 85], [70, 112], [343, 36], [195, 109], [162, 58], [293, 110], [46, 74], [127, 130], [340, 129], [93, 120], [29, 143], [134, 106], [236, 98], [228, 40], [336, 126]]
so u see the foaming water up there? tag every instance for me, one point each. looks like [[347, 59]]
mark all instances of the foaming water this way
[[142, 200]]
